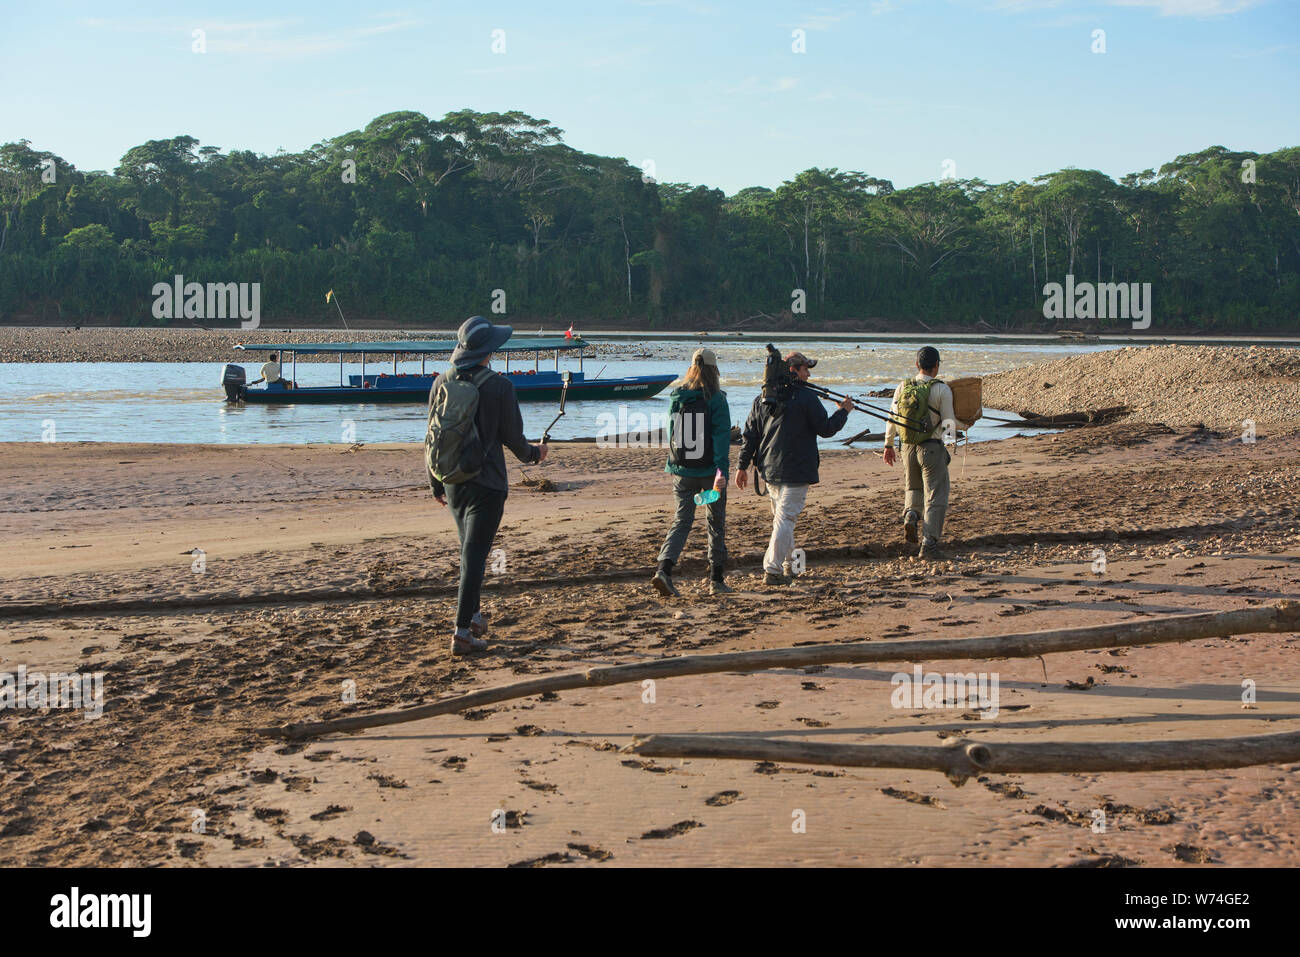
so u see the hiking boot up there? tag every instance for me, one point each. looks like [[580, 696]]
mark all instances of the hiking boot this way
[[717, 587], [910, 522], [788, 571], [663, 583], [467, 644], [771, 578], [930, 552], [478, 626]]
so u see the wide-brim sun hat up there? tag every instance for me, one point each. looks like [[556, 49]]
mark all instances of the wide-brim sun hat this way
[[476, 340]]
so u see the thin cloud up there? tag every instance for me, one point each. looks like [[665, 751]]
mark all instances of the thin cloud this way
[[1024, 6], [699, 10], [1192, 8], [820, 21], [282, 38], [752, 85]]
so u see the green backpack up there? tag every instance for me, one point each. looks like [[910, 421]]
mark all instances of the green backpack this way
[[453, 449], [914, 406]]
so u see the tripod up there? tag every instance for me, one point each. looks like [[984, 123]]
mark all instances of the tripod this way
[[891, 417]]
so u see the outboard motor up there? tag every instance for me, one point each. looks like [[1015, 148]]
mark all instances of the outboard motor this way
[[233, 380]]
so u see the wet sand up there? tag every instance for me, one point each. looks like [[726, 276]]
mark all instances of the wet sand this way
[[325, 565]]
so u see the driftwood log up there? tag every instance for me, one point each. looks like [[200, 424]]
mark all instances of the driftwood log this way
[[1282, 616], [866, 435], [963, 758], [1065, 420]]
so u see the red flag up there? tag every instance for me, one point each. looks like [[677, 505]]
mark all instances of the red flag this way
[[569, 332]]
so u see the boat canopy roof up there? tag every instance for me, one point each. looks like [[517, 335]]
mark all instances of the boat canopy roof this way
[[410, 346]]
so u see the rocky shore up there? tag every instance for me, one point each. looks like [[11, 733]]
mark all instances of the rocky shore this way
[[100, 344], [1220, 387]]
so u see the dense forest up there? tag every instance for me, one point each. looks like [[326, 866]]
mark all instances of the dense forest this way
[[419, 220]]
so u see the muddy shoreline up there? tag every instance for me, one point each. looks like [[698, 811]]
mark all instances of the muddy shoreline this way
[[335, 566]]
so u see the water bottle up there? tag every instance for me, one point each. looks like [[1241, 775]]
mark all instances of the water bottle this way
[[710, 496]]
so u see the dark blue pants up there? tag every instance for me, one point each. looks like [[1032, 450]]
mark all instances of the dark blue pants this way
[[477, 511]]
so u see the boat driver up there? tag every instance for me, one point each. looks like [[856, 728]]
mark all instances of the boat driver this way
[[270, 372]]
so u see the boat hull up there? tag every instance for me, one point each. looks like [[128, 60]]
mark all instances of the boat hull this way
[[632, 387]]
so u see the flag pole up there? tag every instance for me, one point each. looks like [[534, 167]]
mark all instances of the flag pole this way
[[330, 297]]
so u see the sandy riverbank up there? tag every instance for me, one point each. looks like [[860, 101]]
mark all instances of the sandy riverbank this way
[[325, 565], [1217, 386]]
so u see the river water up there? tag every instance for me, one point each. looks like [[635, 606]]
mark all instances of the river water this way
[[183, 402]]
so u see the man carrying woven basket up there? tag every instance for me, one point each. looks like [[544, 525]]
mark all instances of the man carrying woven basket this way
[[923, 399]]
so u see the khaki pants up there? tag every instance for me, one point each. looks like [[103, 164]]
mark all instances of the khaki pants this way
[[925, 487], [787, 502]]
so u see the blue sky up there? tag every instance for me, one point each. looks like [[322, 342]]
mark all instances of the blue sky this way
[[711, 91]]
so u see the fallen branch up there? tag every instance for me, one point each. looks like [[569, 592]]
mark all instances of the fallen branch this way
[[866, 435], [1283, 616], [963, 758]]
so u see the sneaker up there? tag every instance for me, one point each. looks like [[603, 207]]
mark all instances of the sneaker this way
[[771, 578], [930, 552], [719, 588], [663, 583], [466, 645]]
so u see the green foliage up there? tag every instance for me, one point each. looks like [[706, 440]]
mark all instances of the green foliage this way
[[90, 240], [419, 219]]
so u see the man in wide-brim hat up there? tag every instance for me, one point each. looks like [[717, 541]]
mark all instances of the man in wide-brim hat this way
[[478, 504]]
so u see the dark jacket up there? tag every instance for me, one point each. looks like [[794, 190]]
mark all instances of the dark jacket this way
[[720, 416], [784, 447], [500, 423]]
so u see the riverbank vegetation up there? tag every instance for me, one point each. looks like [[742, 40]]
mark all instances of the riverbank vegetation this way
[[419, 220]]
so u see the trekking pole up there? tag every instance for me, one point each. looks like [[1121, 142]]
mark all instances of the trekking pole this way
[[564, 393]]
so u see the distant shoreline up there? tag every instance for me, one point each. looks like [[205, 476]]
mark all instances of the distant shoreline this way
[[136, 344]]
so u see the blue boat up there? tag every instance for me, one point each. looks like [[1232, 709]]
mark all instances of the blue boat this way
[[533, 384]]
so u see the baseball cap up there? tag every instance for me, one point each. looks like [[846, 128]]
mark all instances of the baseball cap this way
[[799, 359], [705, 357]]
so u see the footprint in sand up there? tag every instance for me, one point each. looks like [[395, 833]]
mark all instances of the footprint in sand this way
[[681, 827], [911, 796]]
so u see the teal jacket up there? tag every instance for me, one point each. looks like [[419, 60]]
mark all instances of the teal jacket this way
[[721, 418]]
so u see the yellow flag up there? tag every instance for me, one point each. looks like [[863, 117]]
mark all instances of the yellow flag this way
[[329, 295]]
